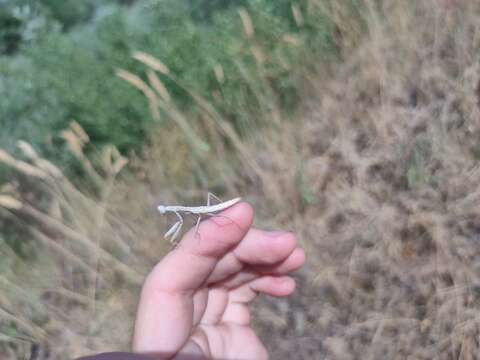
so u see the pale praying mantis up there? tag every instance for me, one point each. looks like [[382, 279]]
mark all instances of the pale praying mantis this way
[[209, 210]]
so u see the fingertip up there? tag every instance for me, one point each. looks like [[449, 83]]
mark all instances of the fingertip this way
[[284, 286], [245, 211], [277, 248], [221, 231], [289, 240], [300, 257], [240, 215], [289, 285], [278, 286]]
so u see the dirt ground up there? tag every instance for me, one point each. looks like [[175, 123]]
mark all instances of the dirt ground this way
[[392, 230]]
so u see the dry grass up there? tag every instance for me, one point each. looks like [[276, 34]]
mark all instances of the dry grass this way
[[378, 175], [88, 262], [391, 223]]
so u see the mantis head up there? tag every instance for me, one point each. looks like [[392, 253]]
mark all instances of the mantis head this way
[[162, 209]]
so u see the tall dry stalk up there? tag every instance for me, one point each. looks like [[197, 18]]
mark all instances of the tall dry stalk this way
[[76, 237]]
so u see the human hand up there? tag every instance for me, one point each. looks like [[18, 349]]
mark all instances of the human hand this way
[[195, 302]]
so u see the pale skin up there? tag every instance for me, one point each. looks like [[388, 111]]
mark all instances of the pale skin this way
[[195, 302]]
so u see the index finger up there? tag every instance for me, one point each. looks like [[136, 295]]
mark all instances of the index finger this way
[[188, 266]]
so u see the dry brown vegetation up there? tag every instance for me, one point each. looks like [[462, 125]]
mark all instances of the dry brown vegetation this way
[[377, 175]]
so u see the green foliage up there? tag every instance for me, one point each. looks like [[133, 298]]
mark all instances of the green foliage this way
[[66, 68], [10, 33]]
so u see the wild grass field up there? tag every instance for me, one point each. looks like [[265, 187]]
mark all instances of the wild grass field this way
[[375, 169]]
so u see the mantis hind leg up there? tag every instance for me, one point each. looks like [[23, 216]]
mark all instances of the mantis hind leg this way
[[210, 196], [197, 225]]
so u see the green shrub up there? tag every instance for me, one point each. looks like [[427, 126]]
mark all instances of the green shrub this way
[[67, 72]]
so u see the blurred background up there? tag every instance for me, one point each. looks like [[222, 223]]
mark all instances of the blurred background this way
[[353, 123]]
